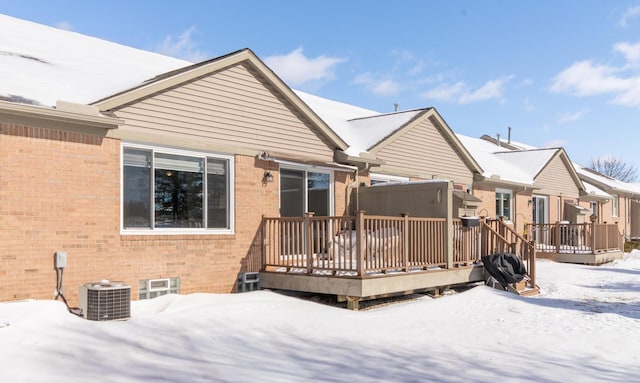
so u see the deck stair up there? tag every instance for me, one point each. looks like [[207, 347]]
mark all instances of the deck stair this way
[[523, 288], [500, 237]]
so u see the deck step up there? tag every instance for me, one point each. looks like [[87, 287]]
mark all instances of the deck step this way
[[522, 288]]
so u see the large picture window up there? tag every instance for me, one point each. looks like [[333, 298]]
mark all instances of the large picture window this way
[[167, 190]]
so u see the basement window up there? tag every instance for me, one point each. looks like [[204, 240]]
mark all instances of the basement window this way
[[248, 282], [151, 288]]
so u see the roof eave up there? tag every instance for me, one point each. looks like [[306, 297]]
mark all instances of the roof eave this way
[[497, 180], [342, 157], [80, 115]]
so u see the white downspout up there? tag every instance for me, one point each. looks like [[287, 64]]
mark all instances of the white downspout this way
[[354, 184]]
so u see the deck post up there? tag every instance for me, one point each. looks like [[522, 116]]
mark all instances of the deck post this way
[[593, 234], [479, 244], [557, 237], [263, 253], [405, 241], [360, 242], [532, 264], [308, 241], [449, 226], [353, 303]]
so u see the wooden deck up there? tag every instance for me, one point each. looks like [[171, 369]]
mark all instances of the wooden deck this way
[[586, 243], [366, 257]]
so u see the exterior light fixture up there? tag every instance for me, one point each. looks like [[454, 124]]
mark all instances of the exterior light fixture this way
[[268, 177]]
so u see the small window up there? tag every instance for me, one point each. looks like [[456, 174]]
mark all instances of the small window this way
[[151, 288], [614, 206], [248, 282], [503, 203]]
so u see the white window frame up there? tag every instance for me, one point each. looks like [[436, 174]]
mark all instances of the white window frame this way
[[615, 205], [312, 169], [179, 231], [511, 201]]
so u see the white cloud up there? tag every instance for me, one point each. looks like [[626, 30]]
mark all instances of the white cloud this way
[[461, 93], [585, 78], [296, 69], [490, 90], [182, 47], [386, 87], [631, 52], [446, 92], [566, 118], [380, 87], [524, 83], [630, 13], [65, 25]]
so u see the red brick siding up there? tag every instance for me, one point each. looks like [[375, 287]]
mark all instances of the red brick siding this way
[[60, 191]]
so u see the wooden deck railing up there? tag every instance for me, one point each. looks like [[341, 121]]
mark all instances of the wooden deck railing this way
[[498, 237], [466, 243], [575, 238], [363, 245]]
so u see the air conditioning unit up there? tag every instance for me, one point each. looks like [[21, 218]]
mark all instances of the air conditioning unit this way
[[105, 300]]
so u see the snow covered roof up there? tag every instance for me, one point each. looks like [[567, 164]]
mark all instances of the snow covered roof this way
[[508, 144], [42, 65], [360, 128], [337, 115], [595, 191], [38, 66], [369, 131], [606, 182], [530, 161], [495, 166]]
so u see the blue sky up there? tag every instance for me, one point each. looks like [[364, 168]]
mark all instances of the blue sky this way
[[560, 73]]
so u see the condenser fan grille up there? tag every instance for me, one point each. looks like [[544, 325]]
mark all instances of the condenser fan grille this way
[[104, 302]]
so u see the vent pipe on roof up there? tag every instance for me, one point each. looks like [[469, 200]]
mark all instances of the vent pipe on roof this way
[[395, 106], [498, 139], [509, 136]]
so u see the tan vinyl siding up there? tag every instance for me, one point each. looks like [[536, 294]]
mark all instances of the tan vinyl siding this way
[[230, 107], [556, 179], [424, 152]]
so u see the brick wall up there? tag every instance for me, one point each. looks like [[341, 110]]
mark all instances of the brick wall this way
[[60, 191]]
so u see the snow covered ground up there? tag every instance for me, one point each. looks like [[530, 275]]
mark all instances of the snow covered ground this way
[[583, 327]]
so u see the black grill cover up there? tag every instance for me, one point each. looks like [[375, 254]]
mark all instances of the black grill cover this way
[[504, 267]]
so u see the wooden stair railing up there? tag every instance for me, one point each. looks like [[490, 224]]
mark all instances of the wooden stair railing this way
[[499, 237]]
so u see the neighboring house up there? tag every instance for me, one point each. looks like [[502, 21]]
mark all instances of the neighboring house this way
[[624, 206], [524, 185], [148, 169], [402, 146], [606, 199]]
